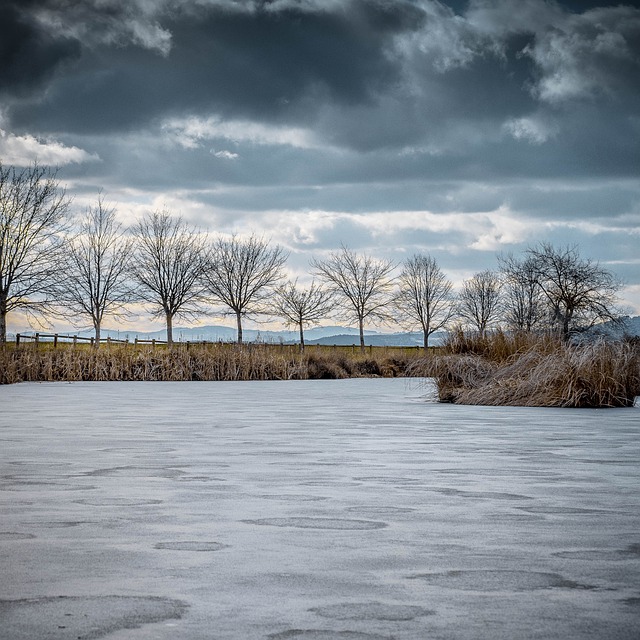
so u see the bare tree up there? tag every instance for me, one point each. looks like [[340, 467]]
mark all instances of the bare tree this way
[[96, 266], [241, 273], [579, 291], [360, 283], [424, 298], [168, 266], [33, 217], [524, 305], [302, 307], [479, 300]]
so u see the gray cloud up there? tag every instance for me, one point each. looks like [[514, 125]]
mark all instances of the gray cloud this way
[[29, 56], [360, 75], [260, 63], [322, 121]]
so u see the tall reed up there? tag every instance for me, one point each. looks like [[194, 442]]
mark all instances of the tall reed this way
[[205, 362], [540, 371]]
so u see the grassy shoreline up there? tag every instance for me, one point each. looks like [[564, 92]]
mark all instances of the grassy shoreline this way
[[498, 370], [215, 362], [534, 371]]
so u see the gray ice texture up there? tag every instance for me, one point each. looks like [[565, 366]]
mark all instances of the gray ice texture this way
[[325, 510]]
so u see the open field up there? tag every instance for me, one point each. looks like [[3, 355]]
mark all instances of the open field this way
[[339, 509]]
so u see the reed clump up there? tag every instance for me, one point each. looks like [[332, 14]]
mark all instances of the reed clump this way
[[534, 371], [31, 363], [498, 346]]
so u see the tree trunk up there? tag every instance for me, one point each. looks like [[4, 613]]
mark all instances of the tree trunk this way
[[301, 338], [239, 321], [169, 328], [3, 326], [565, 327], [425, 331], [361, 327], [96, 326]]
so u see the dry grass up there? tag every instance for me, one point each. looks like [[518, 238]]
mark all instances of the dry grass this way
[[498, 346], [522, 370], [211, 362]]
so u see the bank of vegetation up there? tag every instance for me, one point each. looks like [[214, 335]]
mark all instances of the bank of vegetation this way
[[499, 368], [524, 369], [219, 362]]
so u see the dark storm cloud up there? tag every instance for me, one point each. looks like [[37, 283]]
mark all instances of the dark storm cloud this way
[[273, 65], [261, 63], [382, 76], [29, 55]]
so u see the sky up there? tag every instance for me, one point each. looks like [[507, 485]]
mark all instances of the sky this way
[[462, 129]]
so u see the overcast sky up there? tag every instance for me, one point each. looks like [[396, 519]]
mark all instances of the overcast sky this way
[[459, 128]]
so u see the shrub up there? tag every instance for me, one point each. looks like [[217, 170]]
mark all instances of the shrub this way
[[319, 367], [509, 370], [368, 367]]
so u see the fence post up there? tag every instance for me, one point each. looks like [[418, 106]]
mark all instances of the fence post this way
[[37, 339], [153, 343], [75, 340], [55, 340], [91, 341], [17, 339], [135, 342]]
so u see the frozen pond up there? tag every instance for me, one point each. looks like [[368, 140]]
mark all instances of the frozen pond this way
[[347, 509]]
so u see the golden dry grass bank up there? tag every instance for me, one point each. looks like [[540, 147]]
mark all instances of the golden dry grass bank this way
[[38, 363], [534, 371]]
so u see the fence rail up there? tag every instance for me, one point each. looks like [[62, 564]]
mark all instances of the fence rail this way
[[57, 338], [37, 338]]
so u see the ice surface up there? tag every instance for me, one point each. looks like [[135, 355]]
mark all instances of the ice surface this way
[[313, 509]]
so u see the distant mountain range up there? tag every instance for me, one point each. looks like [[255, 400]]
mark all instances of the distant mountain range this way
[[331, 335], [221, 333], [379, 339]]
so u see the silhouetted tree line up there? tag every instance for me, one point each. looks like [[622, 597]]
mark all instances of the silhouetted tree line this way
[[91, 267]]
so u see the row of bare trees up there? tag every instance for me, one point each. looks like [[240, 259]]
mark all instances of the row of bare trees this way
[[549, 289], [95, 269], [165, 264]]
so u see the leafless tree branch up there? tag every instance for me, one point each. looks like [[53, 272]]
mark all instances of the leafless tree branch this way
[[360, 283], [168, 265], [241, 274], [96, 267], [524, 305], [33, 218], [424, 298], [302, 307], [479, 300], [580, 292]]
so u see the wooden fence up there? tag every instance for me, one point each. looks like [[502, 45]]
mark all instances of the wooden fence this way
[[56, 339]]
